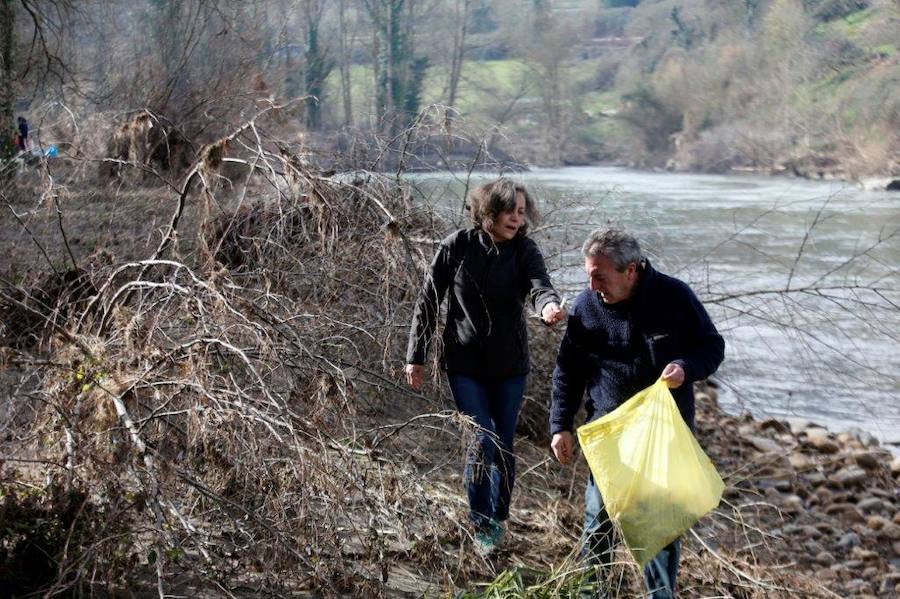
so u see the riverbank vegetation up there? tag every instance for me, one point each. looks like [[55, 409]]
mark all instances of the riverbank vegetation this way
[[203, 394]]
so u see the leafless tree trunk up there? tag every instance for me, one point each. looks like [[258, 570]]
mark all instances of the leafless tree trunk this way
[[345, 44], [7, 75], [459, 48]]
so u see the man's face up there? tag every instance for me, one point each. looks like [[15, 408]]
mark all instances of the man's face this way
[[612, 285]]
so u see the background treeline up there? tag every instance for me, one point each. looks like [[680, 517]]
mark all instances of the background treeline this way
[[808, 86]]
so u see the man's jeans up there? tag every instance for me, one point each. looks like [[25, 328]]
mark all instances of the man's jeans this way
[[599, 546], [490, 462]]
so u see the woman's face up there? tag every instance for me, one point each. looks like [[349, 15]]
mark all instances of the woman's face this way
[[506, 224]]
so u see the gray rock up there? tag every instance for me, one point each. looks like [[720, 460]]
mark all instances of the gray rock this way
[[858, 553], [793, 504], [802, 530], [814, 477], [814, 547], [877, 522], [895, 466], [775, 425], [849, 477], [857, 586], [798, 425], [824, 558], [870, 504], [867, 460], [849, 540], [846, 510], [889, 583], [896, 547], [890, 532], [784, 485], [864, 437], [763, 444]]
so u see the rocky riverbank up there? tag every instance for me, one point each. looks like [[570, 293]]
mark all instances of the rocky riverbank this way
[[829, 504]]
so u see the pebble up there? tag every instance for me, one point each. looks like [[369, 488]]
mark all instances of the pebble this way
[[802, 530], [851, 539], [784, 485], [824, 558], [896, 547], [859, 553], [864, 437], [793, 504], [798, 425], [890, 581], [820, 439], [870, 573], [775, 425], [895, 466], [877, 522], [799, 461], [827, 529], [814, 478], [870, 504], [847, 510], [763, 444], [866, 460], [850, 477], [814, 548], [891, 532]]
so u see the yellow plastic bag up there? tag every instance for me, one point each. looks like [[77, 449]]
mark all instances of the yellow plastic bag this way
[[655, 480]]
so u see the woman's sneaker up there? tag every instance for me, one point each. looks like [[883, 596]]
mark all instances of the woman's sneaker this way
[[487, 539]]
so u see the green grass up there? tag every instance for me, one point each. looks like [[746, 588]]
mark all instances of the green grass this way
[[596, 102], [482, 84], [888, 50], [852, 26]]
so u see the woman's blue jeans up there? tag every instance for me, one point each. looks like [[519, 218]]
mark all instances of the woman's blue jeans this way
[[599, 545], [490, 462]]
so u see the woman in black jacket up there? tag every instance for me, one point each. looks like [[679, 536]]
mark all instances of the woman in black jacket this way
[[490, 270]]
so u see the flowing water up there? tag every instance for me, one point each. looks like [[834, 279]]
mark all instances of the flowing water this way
[[801, 277]]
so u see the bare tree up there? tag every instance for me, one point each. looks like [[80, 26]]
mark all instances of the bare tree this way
[[346, 42], [461, 15]]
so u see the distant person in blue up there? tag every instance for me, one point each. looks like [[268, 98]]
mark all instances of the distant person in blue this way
[[632, 326], [22, 137], [488, 272]]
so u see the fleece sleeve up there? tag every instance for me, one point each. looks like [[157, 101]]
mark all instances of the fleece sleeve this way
[[540, 291], [425, 315], [569, 379]]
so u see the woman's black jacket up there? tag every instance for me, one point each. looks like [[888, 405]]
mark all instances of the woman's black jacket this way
[[489, 282]]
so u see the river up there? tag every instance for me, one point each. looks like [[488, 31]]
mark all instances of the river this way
[[801, 277]]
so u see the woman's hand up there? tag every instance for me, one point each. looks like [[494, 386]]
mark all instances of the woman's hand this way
[[552, 313], [415, 374], [563, 446]]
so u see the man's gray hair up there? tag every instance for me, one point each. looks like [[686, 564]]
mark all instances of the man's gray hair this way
[[617, 245]]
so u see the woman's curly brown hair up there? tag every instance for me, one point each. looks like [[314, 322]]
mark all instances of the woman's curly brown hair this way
[[486, 201]]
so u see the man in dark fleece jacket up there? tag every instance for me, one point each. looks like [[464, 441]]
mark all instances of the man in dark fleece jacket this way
[[632, 326]]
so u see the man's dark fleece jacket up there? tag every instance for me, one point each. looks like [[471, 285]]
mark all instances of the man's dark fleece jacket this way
[[488, 285], [612, 351]]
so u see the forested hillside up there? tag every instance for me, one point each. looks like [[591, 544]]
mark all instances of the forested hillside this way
[[803, 86]]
